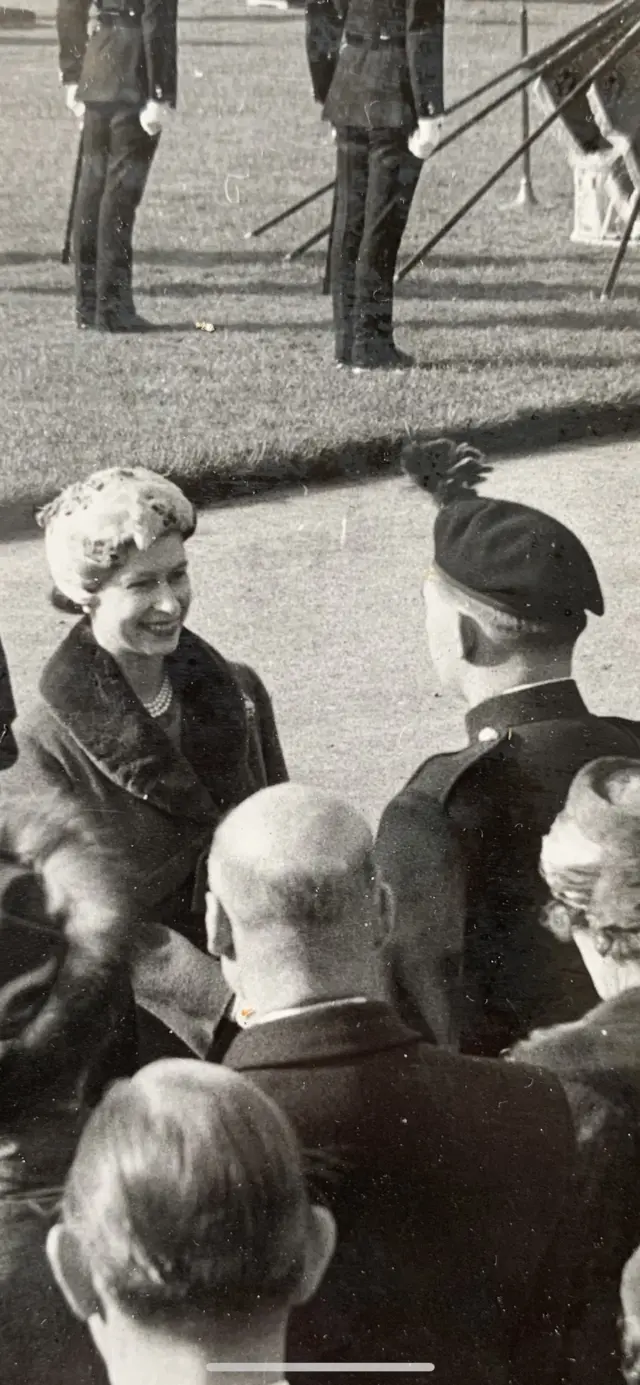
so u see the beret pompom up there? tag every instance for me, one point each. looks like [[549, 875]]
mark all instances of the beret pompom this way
[[445, 470]]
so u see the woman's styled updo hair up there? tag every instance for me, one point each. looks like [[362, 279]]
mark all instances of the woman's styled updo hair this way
[[591, 859], [93, 525]]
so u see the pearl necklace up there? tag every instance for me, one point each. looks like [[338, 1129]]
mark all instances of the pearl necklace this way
[[162, 702]]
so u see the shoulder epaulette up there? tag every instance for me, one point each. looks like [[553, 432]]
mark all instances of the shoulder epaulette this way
[[445, 771]]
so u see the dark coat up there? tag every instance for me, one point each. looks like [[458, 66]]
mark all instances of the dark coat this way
[[376, 64], [460, 847], [66, 1031], [446, 1178], [90, 737], [129, 58], [597, 1059]]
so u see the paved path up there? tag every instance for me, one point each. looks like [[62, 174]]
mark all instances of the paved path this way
[[321, 591]]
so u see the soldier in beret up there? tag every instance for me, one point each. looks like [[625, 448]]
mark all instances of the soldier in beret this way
[[120, 83], [377, 68], [506, 599]]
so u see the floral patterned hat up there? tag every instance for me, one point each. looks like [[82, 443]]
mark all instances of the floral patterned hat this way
[[92, 526]]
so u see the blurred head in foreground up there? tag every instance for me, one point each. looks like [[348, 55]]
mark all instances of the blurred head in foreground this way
[[296, 909], [591, 862], [186, 1233]]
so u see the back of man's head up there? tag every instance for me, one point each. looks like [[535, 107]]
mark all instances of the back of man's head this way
[[294, 888], [186, 1198]]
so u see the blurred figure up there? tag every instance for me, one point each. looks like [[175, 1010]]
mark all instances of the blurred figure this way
[[506, 599], [67, 1029], [120, 82], [149, 730], [8, 747], [377, 68], [630, 1296], [186, 1233], [591, 860], [446, 1175]]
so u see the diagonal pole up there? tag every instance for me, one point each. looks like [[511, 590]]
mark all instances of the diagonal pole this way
[[574, 47], [618, 51], [607, 292], [299, 250], [544, 54], [289, 211]]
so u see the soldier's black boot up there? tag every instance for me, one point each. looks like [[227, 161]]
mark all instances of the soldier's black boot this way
[[116, 310], [85, 274]]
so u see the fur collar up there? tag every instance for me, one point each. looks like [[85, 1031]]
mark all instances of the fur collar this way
[[606, 1040], [89, 696]]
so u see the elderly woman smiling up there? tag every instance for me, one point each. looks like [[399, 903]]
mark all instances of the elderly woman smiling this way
[[147, 727]]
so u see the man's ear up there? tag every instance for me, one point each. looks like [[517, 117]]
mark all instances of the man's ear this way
[[468, 635], [219, 934], [321, 1243], [386, 913], [71, 1272]]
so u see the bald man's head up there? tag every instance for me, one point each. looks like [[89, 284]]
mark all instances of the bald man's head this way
[[293, 879]]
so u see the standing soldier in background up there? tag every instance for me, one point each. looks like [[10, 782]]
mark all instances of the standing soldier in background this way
[[121, 83], [377, 67]]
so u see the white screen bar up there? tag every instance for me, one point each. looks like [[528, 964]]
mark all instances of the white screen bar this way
[[318, 1367]]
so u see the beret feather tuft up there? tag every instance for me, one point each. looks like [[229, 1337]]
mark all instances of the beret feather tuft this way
[[445, 470]]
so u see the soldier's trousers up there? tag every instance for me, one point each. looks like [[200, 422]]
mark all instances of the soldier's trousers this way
[[376, 179], [116, 158]]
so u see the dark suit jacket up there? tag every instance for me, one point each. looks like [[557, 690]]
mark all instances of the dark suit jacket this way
[[460, 846], [597, 1059], [392, 71], [446, 1177], [130, 57]]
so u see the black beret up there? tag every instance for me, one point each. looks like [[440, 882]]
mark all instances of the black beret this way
[[516, 559], [509, 556]]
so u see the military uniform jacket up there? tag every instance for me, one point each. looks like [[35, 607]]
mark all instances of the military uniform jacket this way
[[460, 846], [376, 64], [129, 58]]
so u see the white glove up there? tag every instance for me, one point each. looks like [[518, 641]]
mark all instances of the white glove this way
[[71, 100], [153, 116], [427, 137]]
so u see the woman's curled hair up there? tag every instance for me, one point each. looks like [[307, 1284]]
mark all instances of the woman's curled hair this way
[[612, 916]]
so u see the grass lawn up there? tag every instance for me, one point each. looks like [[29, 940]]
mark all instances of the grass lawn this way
[[505, 316]]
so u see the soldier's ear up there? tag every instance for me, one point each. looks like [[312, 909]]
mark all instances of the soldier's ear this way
[[469, 639], [71, 1272], [386, 913]]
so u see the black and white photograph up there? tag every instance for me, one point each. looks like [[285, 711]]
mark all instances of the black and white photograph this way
[[319, 692]]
